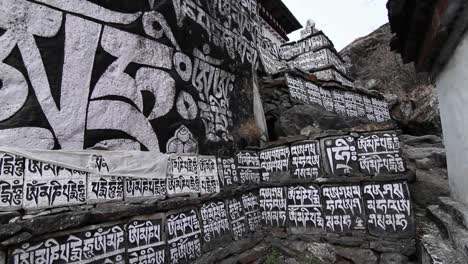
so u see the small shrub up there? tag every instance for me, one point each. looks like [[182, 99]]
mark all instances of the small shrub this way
[[250, 132], [273, 258]]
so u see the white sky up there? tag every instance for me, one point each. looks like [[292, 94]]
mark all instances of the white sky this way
[[342, 20]]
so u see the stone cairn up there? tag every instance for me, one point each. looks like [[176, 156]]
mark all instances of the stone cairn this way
[[344, 189]]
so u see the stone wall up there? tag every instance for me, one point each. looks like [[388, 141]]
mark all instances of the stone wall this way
[[122, 76], [333, 189]]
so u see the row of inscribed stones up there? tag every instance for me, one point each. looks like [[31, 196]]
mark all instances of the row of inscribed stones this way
[[369, 154], [32, 184], [381, 209], [345, 103]]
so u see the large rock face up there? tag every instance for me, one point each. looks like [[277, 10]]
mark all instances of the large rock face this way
[[375, 67], [120, 75]]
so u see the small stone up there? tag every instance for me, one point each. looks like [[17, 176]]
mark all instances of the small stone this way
[[393, 258], [310, 130]]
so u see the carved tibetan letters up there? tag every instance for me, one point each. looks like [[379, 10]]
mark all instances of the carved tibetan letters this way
[[305, 208], [248, 167], [306, 160], [94, 245], [146, 240], [340, 155], [252, 211], [103, 189], [182, 175], [208, 174], [237, 218], [380, 153], [142, 188], [273, 206], [215, 223], [227, 171], [47, 185], [343, 208], [11, 181], [275, 164], [388, 209], [184, 237], [297, 90]]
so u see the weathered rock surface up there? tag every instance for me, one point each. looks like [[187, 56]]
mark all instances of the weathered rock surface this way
[[427, 160], [393, 258], [434, 248], [412, 97]]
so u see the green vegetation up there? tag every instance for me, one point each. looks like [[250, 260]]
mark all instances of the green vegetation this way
[[273, 258]]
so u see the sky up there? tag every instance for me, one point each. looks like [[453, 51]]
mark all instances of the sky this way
[[343, 21]]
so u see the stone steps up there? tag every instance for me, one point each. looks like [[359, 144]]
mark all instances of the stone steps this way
[[451, 227], [458, 211], [434, 249]]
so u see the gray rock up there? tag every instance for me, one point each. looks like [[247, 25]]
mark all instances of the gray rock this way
[[6, 217], [393, 258], [292, 121], [17, 239], [429, 185], [405, 247], [310, 130], [457, 210], [424, 164], [417, 111], [392, 100], [357, 255], [422, 141], [434, 248], [7, 231], [269, 107], [417, 153]]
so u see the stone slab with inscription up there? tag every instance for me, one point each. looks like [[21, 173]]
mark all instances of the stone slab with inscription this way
[[380, 153], [237, 218], [251, 207], [305, 211], [102, 189], [11, 181], [146, 240], [215, 225], [48, 186], [275, 164], [306, 160], [94, 245], [389, 209], [343, 208], [297, 90], [208, 175], [248, 167], [141, 188], [340, 155], [184, 236], [182, 175], [273, 206], [227, 171]]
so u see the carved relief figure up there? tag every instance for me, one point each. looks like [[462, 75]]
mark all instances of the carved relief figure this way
[[182, 142]]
